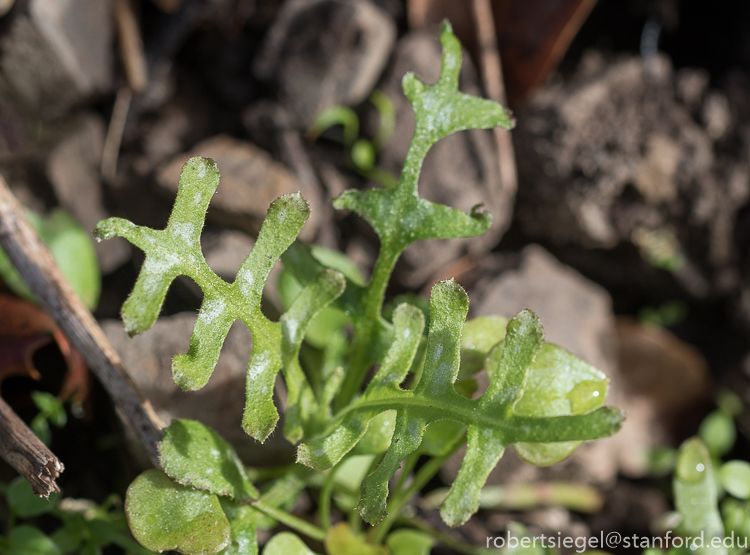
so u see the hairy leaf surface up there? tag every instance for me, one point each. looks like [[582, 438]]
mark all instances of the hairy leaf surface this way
[[493, 422], [194, 455], [176, 251], [164, 515], [540, 398]]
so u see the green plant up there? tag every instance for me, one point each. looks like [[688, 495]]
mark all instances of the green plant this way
[[73, 251], [83, 527], [711, 497], [355, 435], [51, 410], [361, 152]]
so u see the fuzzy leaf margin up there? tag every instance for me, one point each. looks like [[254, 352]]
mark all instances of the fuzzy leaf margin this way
[[176, 250], [399, 216], [492, 421]]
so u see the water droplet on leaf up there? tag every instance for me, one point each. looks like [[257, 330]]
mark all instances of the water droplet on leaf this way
[[587, 395]]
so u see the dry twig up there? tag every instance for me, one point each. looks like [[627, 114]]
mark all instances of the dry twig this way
[[131, 46], [492, 77], [27, 454], [111, 150], [37, 267]]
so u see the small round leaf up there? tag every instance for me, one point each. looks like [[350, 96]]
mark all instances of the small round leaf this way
[[287, 543], [735, 477], [164, 515], [28, 540], [195, 455], [718, 432], [558, 384], [24, 503]]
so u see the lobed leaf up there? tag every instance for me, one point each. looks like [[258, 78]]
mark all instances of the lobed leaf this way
[[524, 339], [324, 453], [319, 293], [398, 215], [176, 250], [171, 251], [522, 364]]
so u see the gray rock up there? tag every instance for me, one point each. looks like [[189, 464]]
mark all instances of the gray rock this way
[[73, 170], [250, 181], [165, 137], [219, 404], [324, 53], [575, 312], [225, 250], [58, 53], [461, 170], [5, 6]]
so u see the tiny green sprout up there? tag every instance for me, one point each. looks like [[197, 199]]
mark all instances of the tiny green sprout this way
[[51, 410], [351, 434], [362, 152], [82, 525]]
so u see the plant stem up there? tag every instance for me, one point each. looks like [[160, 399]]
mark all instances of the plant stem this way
[[293, 522], [406, 469], [362, 350], [391, 247], [400, 499], [324, 502]]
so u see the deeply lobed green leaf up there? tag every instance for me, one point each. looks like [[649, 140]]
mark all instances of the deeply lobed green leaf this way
[[398, 215], [540, 398], [176, 251], [517, 367]]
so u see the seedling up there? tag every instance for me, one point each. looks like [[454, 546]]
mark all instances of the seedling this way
[[83, 526], [361, 152], [541, 399], [711, 497]]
